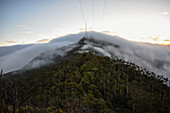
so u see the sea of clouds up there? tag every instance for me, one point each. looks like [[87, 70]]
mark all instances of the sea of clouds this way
[[155, 58]]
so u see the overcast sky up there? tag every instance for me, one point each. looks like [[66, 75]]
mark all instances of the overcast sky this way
[[38, 21]]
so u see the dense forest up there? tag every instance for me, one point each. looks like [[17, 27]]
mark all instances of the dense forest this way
[[85, 83]]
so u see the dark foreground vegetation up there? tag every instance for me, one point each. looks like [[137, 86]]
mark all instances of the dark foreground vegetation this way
[[88, 84]]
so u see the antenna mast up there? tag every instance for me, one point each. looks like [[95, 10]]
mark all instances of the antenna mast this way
[[86, 29]]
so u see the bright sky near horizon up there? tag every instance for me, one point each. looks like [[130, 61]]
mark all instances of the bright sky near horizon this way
[[38, 21]]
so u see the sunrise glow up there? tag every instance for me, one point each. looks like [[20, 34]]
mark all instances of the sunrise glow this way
[[39, 22]]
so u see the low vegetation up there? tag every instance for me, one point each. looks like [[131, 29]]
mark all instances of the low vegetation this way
[[90, 84]]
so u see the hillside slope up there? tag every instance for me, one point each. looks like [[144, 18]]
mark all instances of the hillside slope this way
[[154, 61], [155, 58], [90, 83]]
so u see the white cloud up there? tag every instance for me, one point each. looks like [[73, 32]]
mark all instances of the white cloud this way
[[20, 58], [165, 13], [155, 58], [11, 41], [27, 29], [40, 34], [2, 44], [43, 40], [29, 32]]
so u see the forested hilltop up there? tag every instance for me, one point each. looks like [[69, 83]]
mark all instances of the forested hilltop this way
[[88, 84]]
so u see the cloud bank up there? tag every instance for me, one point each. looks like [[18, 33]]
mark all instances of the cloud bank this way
[[20, 58], [6, 50], [11, 41], [155, 58], [42, 41]]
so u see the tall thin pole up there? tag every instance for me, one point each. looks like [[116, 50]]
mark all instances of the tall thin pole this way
[[103, 15], [103, 12], [82, 10], [86, 29], [93, 16], [1, 73]]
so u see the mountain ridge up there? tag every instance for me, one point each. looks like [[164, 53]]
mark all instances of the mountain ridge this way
[[99, 47], [90, 83], [155, 58]]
